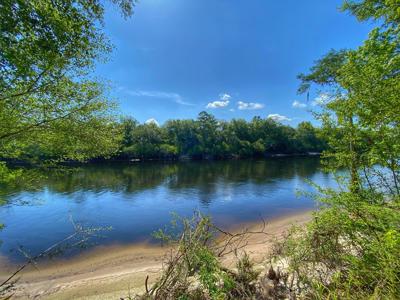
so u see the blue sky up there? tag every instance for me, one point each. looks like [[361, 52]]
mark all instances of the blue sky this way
[[233, 58]]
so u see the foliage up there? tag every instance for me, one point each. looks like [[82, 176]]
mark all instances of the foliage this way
[[194, 257], [208, 138], [349, 251], [388, 10], [324, 72], [193, 269], [351, 248], [361, 119], [49, 105]]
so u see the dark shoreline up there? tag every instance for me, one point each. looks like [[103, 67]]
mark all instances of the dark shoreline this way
[[19, 163]]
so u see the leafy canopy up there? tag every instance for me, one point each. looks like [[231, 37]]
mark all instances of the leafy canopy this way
[[47, 98], [351, 248]]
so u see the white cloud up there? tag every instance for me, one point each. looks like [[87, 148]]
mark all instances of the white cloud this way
[[158, 94], [222, 102], [152, 121], [322, 99], [180, 101], [249, 105], [225, 97], [217, 104], [298, 104], [278, 118]]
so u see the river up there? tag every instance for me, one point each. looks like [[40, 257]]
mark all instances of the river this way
[[136, 199]]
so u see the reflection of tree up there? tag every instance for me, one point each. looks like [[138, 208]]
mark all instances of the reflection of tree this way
[[201, 175], [205, 174], [112, 177]]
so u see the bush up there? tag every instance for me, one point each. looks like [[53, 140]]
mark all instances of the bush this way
[[350, 250], [193, 270]]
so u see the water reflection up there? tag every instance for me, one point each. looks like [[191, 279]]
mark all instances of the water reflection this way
[[137, 199], [204, 175]]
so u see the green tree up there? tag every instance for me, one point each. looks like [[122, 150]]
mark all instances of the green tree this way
[[147, 139], [128, 126], [208, 127], [184, 135], [47, 98], [386, 10], [307, 138], [353, 241]]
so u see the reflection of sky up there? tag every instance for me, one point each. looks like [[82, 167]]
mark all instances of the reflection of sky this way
[[229, 197]]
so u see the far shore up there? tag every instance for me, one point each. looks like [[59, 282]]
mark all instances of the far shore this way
[[182, 158], [112, 272]]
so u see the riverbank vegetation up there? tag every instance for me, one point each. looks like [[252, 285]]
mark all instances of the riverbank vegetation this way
[[203, 138], [207, 137]]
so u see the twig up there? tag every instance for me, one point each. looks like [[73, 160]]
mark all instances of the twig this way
[[145, 284]]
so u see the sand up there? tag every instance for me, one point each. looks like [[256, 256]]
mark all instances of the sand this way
[[114, 272]]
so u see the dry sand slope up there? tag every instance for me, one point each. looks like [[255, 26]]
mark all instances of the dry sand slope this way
[[115, 271]]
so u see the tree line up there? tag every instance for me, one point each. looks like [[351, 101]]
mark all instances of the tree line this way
[[207, 137], [202, 138]]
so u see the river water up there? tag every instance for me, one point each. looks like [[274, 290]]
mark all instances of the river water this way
[[137, 199]]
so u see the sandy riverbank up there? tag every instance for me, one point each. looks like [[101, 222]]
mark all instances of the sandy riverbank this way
[[115, 271]]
